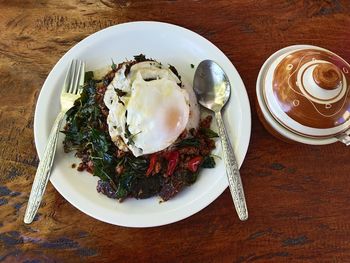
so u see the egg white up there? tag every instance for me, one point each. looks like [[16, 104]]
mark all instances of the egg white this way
[[154, 110]]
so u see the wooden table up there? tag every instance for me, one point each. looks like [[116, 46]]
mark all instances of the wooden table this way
[[298, 195]]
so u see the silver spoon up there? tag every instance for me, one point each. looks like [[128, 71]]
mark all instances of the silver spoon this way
[[213, 89]]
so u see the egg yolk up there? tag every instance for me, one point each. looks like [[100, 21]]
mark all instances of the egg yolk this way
[[173, 119]]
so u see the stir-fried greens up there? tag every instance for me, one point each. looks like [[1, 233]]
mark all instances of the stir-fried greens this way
[[122, 174]]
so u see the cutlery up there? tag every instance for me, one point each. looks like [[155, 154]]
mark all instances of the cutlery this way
[[71, 91], [213, 89]]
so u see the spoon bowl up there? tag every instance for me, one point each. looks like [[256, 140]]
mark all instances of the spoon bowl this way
[[211, 85]]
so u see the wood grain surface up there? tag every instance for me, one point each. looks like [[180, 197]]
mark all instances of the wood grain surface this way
[[298, 195]]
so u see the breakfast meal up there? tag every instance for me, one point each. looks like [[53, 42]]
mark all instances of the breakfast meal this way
[[138, 129]]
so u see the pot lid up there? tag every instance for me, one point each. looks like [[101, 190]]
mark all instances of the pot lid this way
[[307, 90]]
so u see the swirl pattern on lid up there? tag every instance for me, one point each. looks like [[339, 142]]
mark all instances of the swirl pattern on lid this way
[[313, 88]]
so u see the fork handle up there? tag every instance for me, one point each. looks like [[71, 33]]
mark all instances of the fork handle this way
[[232, 171], [43, 172]]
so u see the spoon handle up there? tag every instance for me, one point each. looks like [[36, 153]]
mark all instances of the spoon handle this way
[[232, 171]]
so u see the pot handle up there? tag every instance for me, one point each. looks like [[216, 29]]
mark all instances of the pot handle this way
[[344, 137]]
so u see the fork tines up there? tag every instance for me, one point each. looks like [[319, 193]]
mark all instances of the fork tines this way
[[74, 75]]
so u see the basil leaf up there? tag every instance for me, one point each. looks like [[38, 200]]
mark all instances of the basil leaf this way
[[174, 70], [208, 133], [208, 162], [188, 142], [124, 185], [140, 58], [99, 142], [113, 66], [89, 75]]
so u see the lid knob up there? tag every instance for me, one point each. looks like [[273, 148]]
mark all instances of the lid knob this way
[[327, 76]]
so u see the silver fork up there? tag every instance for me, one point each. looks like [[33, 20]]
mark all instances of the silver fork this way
[[71, 91]]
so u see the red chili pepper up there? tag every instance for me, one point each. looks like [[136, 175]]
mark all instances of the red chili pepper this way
[[152, 163], [173, 159], [194, 163]]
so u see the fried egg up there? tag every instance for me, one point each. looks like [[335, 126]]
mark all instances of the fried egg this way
[[148, 110]]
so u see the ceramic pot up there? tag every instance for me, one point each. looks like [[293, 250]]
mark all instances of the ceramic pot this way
[[303, 95]]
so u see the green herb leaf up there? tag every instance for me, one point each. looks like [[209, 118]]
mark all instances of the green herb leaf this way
[[89, 75], [186, 176], [208, 162], [140, 58], [128, 135], [174, 70], [99, 142], [119, 92], [188, 142], [103, 171], [139, 165], [127, 68], [124, 185], [113, 66], [208, 133]]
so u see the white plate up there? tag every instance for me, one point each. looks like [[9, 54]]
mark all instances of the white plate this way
[[168, 44]]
